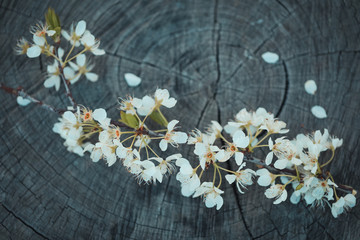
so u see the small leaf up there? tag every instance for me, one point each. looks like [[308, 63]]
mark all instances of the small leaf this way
[[53, 23], [129, 119], [299, 186], [158, 118]]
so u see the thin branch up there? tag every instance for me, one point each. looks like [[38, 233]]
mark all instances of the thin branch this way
[[67, 87], [20, 92]]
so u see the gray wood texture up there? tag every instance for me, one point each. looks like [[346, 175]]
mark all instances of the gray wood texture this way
[[196, 49]]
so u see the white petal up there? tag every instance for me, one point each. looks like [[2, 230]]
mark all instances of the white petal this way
[[70, 116], [350, 200], [65, 34], [50, 32], [295, 197], [270, 57], [80, 28], [60, 52], [40, 41], [52, 68], [318, 112], [99, 114], [93, 77], [219, 202], [69, 73], [50, 82], [186, 169], [180, 137], [162, 94], [73, 66], [75, 78], [281, 163], [269, 158], [171, 125], [98, 51], [34, 51], [22, 101], [310, 87], [210, 201], [200, 149], [230, 178], [81, 59], [239, 157], [163, 145], [240, 139], [281, 198], [169, 103], [132, 80]]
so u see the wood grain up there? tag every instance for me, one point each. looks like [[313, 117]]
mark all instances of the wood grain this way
[[208, 54]]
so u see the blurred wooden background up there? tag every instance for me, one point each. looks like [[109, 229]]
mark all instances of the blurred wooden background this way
[[208, 54]]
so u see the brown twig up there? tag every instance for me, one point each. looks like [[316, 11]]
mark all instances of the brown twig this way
[[20, 92]]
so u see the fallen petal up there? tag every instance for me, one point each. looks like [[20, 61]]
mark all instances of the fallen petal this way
[[132, 80], [270, 57], [310, 87], [318, 112], [22, 101]]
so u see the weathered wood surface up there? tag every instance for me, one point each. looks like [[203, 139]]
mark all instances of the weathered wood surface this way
[[195, 49]]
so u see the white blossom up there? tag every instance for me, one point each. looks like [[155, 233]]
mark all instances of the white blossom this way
[[187, 176], [277, 191], [82, 68], [162, 97], [243, 178], [211, 195], [265, 177], [91, 44], [75, 33], [37, 48], [172, 137]]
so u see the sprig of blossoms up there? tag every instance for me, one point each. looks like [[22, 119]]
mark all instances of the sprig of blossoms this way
[[44, 43], [297, 163], [128, 141]]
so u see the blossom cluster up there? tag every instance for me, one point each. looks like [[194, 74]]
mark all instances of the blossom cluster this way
[[291, 162], [62, 67], [309, 182], [79, 128], [243, 132]]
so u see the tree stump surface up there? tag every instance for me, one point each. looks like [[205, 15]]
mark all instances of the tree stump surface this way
[[208, 54]]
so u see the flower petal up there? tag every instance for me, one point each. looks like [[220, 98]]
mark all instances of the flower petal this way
[[80, 28], [81, 59], [93, 77], [22, 101], [34, 51], [310, 87], [270, 57], [132, 80], [318, 112], [99, 114]]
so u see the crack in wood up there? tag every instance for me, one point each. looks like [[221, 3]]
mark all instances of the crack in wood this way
[[24, 222], [286, 90]]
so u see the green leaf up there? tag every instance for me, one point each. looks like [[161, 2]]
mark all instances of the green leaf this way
[[129, 120], [53, 23], [159, 118], [299, 186]]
